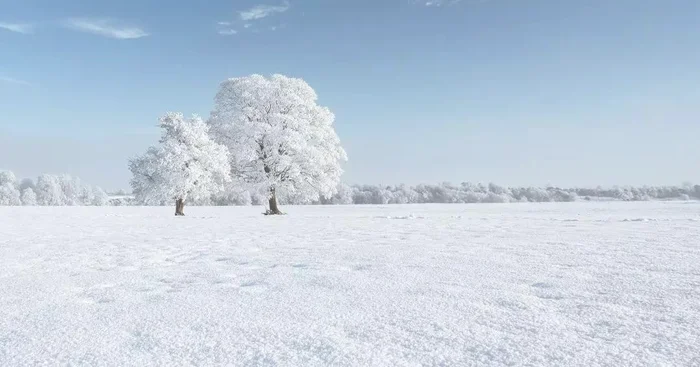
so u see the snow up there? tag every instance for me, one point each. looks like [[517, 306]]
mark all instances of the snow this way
[[575, 284]]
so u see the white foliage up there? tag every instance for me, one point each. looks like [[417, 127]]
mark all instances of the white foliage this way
[[9, 190], [243, 199], [49, 191], [493, 197], [279, 137], [343, 195], [98, 197], [258, 198], [9, 195], [87, 195], [8, 177], [186, 165], [29, 197], [232, 196], [72, 189]]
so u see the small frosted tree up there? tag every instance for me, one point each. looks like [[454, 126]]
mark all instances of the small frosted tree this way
[[187, 165], [99, 197], [7, 177], [9, 190], [49, 191], [9, 195], [86, 195], [72, 188], [281, 141], [28, 197]]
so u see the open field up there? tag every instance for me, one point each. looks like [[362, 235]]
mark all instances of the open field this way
[[576, 284]]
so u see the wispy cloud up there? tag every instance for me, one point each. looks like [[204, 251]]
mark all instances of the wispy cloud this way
[[106, 28], [228, 32], [446, 3], [438, 3], [248, 20], [8, 80], [24, 28], [226, 28], [262, 11]]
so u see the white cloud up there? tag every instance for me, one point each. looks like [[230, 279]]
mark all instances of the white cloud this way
[[23, 28], [247, 19], [106, 28], [8, 80], [438, 3], [262, 11]]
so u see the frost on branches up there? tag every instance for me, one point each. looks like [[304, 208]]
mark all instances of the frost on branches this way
[[187, 166], [29, 197], [282, 142], [9, 192]]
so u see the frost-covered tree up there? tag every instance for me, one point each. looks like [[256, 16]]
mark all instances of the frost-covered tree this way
[[495, 189], [26, 183], [7, 177], [9, 190], [281, 141], [28, 197], [343, 196], [86, 195], [98, 198], [232, 195], [9, 195], [72, 189], [186, 166], [49, 191], [257, 198]]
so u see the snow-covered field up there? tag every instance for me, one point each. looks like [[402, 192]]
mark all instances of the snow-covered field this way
[[569, 284]]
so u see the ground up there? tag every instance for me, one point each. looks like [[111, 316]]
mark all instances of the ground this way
[[566, 284]]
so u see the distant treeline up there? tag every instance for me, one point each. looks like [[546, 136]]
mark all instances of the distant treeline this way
[[463, 193], [49, 190], [492, 193], [59, 190]]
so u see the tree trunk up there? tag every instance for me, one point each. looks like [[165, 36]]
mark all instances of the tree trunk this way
[[179, 207], [274, 210]]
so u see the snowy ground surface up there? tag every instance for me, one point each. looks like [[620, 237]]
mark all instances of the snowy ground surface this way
[[568, 284]]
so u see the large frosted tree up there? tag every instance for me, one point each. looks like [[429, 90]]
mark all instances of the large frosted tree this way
[[186, 166], [282, 142]]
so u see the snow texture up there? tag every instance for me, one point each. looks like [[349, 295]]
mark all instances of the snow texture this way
[[572, 284]]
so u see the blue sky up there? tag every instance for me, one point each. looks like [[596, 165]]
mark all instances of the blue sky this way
[[518, 92]]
